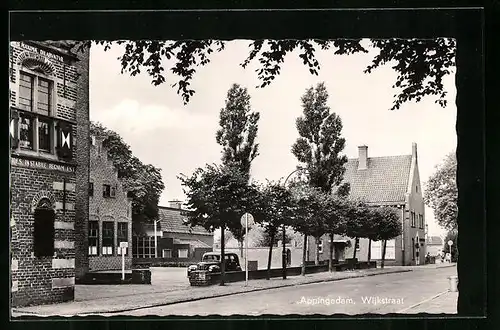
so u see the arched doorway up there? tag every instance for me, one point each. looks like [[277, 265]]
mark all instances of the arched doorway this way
[[44, 231]]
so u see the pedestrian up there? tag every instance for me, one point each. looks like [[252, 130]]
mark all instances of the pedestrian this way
[[428, 258]]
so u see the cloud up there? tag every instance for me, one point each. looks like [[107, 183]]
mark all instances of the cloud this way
[[132, 116]]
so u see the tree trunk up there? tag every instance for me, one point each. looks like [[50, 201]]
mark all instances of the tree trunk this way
[[270, 256], [355, 250], [330, 262], [304, 252], [383, 254], [316, 260], [369, 250], [222, 256]]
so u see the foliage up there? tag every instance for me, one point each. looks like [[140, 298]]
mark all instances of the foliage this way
[[420, 64], [238, 129], [217, 197], [143, 181], [441, 193], [385, 224], [310, 210], [320, 141]]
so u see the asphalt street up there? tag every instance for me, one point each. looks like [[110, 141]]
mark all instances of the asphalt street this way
[[391, 293]]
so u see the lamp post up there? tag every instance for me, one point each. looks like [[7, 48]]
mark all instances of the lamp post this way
[[283, 253]]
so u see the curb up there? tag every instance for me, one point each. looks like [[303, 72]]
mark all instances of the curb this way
[[217, 295], [422, 302]]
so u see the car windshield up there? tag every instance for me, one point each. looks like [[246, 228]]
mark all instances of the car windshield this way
[[211, 257]]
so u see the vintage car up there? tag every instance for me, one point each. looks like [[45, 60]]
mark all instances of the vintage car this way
[[211, 262]]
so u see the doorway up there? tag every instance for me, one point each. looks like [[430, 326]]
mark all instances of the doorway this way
[[44, 231]]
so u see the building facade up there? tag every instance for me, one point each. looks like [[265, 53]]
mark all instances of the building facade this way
[[110, 208], [171, 238], [49, 167], [392, 181]]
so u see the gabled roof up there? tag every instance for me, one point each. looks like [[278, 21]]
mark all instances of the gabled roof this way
[[172, 221], [434, 240], [384, 181]]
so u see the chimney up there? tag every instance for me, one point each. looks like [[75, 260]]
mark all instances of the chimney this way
[[363, 157], [414, 150], [175, 204]]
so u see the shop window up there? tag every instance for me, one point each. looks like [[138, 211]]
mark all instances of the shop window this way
[[44, 229], [93, 238], [143, 247], [166, 253], [183, 253], [108, 237], [122, 235]]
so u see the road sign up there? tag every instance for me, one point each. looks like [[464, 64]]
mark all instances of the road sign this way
[[450, 242], [250, 219], [123, 245]]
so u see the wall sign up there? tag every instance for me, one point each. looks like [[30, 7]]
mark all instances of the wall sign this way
[[40, 53], [41, 165]]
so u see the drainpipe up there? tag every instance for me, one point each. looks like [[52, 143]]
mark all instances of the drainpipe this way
[[403, 234], [156, 239]]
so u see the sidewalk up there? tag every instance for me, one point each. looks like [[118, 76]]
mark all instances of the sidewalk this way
[[135, 301], [445, 303], [428, 266]]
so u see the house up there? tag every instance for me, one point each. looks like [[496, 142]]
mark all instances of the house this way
[[392, 181], [110, 212], [435, 245], [49, 165], [170, 238]]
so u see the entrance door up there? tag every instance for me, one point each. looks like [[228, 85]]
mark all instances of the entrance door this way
[[44, 232]]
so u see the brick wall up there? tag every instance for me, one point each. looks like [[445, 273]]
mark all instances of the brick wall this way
[[34, 177], [116, 209], [80, 72]]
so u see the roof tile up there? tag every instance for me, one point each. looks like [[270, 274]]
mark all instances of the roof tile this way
[[172, 221]]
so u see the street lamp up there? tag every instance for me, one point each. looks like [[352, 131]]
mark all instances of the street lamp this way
[[283, 253]]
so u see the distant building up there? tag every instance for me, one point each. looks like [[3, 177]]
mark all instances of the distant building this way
[[110, 220], [175, 239], [384, 181], [435, 245]]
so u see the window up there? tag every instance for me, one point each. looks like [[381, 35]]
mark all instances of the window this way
[[412, 219], [108, 191], [183, 253], [44, 230], [143, 247], [93, 238], [91, 189], [421, 221], [108, 237], [166, 253], [26, 91], [122, 235], [416, 188], [356, 244], [34, 127], [320, 246]]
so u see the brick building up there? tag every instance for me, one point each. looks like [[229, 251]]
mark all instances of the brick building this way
[[383, 181], [49, 168], [171, 239], [110, 218]]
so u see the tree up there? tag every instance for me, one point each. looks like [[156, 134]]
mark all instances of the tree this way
[[358, 222], [420, 64], [275, 209], [237, 134], [217, 197], [441, 193], [320, 143], [386, 225], [143, 181], [451, 235]]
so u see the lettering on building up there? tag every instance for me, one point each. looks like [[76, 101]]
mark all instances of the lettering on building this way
[[41, 165], [40, 54]]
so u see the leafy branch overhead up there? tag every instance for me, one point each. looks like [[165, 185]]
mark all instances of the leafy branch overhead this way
[[420, 64]]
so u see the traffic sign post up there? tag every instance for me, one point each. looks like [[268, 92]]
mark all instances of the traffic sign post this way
[[123, 246], [246, 221]]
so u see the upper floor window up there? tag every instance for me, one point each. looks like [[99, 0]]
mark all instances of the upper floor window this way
[[357, 244], [33, 126], [412, 219], [91, 189], [320, 246], [108, 191]]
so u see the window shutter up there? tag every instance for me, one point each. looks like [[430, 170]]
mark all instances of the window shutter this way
[[14, 126], [65, 140]]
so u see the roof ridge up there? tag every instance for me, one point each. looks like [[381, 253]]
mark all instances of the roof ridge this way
[[393, 156]]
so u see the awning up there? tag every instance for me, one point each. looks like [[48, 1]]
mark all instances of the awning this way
[[193, 243]]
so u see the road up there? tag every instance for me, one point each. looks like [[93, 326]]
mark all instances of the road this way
[[391, 293]]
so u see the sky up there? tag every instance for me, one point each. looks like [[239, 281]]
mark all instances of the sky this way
[[179, 138]]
